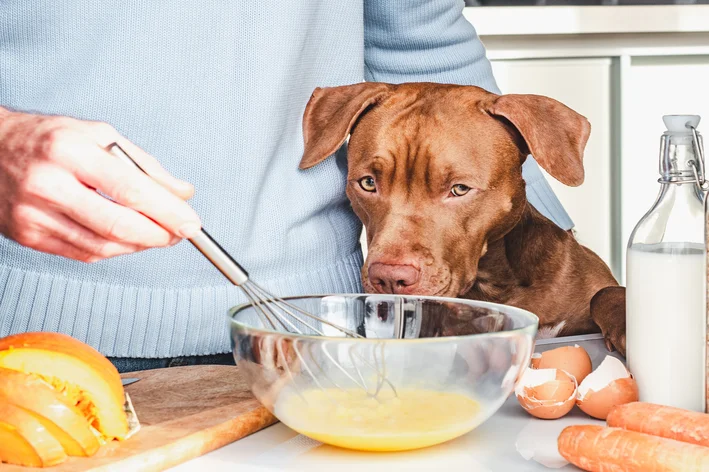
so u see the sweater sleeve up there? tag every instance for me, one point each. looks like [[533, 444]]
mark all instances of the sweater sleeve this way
[[425, 40]]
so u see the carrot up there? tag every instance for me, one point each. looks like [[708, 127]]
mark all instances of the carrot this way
[[600, 449], [664, 421]]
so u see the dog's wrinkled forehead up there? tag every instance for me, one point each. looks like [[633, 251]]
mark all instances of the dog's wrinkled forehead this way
[[552, 132], [435, 136]]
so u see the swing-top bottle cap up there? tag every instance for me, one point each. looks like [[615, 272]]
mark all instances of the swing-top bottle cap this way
[[679, 160], [680, 124]]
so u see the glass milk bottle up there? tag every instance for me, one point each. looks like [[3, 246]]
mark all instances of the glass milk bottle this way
[[666, 273]]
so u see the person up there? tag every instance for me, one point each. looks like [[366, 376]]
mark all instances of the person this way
[[207, 97]]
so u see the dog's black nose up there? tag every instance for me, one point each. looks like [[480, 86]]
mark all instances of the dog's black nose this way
[[389, 278]]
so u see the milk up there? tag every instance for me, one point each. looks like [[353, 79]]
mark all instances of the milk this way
[[665, 323]]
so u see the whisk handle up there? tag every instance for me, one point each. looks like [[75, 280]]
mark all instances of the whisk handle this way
[[219, 258], [202, 241]]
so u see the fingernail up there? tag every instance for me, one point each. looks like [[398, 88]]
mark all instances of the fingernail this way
[[184, 190], [184, 185], [189, 230]]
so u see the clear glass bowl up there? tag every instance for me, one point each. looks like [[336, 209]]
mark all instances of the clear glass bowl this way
[[452, 365]]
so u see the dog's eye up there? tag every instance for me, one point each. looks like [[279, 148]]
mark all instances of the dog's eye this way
[[367, 184], [460, 190]]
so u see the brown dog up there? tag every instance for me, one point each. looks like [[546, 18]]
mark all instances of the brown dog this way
[[435, 175]]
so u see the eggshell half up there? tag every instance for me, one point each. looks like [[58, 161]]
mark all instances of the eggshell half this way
[[609, 385], [546, 393], [572, 359], [536, 359]]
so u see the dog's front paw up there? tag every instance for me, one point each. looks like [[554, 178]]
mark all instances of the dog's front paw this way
[[608, 312], [615, 339]]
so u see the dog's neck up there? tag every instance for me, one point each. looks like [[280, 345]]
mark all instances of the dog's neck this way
[[523, 255]]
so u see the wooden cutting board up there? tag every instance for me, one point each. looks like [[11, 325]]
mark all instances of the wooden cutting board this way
[[184, 412]]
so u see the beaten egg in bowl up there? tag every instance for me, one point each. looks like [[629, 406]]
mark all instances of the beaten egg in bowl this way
[[354, 419]]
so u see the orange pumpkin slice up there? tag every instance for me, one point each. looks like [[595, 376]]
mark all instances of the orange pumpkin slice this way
[[63, 421], [83, 375], [25, 441]]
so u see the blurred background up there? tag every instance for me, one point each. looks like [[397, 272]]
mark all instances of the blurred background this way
[[478, 3], [622, 64]]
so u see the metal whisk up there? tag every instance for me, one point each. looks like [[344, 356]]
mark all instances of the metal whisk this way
[[275, 311], [270, 307]]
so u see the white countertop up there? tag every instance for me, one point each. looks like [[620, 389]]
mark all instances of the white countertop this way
[[511, 33], [592, 45], [548, 20], [494, 446]]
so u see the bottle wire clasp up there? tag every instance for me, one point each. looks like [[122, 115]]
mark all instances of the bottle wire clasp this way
[[698, 164]]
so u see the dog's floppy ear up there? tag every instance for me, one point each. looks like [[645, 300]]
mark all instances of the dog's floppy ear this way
[[330, 115], [554, 134]]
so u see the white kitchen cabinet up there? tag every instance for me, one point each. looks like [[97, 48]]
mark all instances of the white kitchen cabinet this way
[[655, 86], [585, 86]]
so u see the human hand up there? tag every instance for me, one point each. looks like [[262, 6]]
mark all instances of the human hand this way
[[50, 167]]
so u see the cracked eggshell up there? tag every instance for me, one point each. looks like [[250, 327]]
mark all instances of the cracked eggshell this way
[[572, 359], [609, 385], [546, 393], [536, 359]]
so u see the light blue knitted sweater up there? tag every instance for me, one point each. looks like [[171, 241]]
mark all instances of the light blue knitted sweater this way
[[215, 90]]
